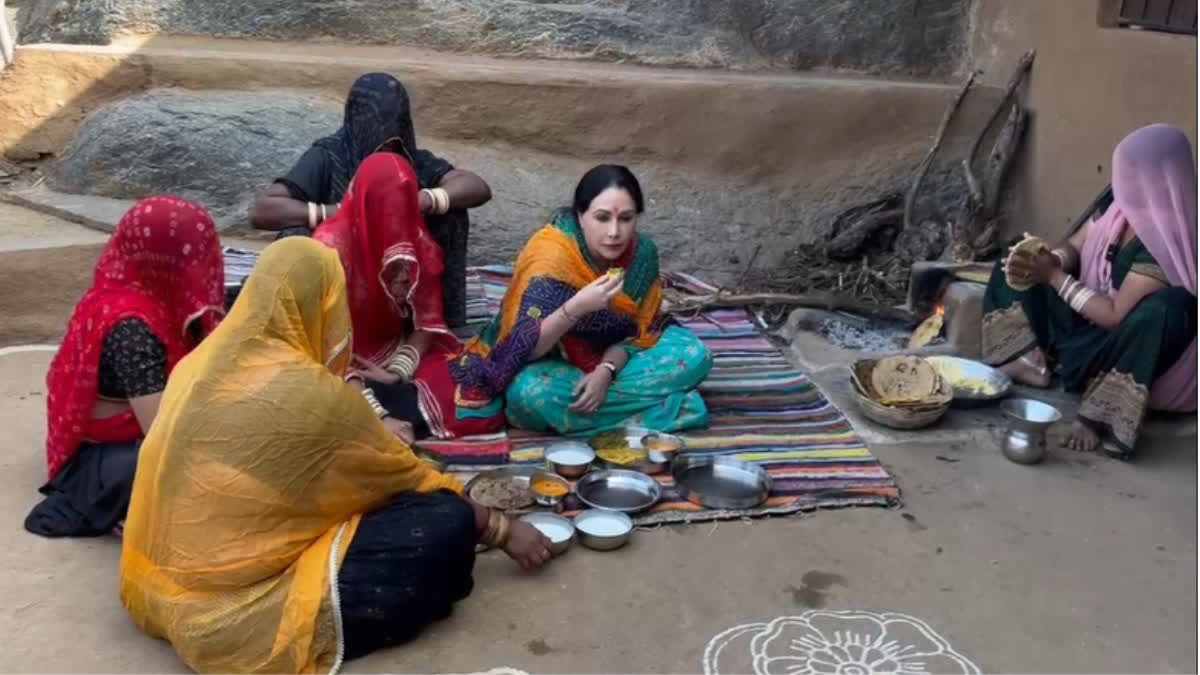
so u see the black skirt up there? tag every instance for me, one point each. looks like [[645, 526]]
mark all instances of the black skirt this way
[[408, 563], [90, 496]]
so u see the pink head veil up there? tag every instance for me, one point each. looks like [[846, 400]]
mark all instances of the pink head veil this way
[[1154, 192]]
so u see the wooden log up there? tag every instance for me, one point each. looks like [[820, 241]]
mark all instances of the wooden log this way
[[923, 168], [827, 301], [1000, 159], [1018, 76], [847, 245]]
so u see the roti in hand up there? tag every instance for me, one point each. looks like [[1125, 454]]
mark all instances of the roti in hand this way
[[1029, 246]]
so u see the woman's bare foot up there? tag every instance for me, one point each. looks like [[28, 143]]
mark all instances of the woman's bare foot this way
[[1082, 438], [1030, 370]]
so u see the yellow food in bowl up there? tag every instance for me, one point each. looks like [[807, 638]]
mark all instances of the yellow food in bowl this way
[[958, 379], [549, 488], [621, 456]]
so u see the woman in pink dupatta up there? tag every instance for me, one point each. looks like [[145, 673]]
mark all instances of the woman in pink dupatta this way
[[1124, 331]]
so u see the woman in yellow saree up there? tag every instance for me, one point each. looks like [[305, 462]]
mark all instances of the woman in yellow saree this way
[[276, 525]]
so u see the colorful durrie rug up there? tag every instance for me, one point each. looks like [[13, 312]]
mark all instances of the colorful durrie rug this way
[[763, 410]]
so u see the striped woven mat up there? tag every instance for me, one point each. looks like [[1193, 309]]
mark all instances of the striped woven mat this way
[[763, 410]]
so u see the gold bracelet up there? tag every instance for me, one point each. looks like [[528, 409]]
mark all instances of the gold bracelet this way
[[567, 313], [505, 530]]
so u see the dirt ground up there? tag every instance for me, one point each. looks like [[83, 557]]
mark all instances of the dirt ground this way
[[1080, 564], [41, 288]]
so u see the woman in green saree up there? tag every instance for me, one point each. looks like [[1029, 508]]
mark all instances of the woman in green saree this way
[[586, 288], [1124, 332]]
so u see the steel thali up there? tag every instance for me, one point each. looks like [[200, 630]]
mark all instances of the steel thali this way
[[720, 482]]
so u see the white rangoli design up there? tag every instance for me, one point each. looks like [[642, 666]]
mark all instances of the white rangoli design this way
[[832, 641]]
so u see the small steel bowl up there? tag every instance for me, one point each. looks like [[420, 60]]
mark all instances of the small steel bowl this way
[[557, 529], [618, 490], [666, 444], [548, 500], [609, 530], [569, 469], [656, 462]]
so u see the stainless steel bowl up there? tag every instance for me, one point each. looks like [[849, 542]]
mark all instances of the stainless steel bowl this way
[[720, 482], [669, 444], [618, 490], [557, 529], [569, 469], [548, 500], [608, 529]]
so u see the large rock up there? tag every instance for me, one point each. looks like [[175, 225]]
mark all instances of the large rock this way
[[920, 37], [218, 148], [215, 147]]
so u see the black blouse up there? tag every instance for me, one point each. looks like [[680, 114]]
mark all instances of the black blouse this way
[[309, 180], [133, 361]]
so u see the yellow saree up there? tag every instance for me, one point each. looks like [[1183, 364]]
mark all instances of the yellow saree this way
[[254, 476]]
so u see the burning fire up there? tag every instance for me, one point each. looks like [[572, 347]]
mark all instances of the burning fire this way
[[929, 329]]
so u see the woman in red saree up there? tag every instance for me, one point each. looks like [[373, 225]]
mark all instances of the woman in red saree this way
[[158, 289], [408, 361]]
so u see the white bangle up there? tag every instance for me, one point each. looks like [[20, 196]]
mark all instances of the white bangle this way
[[376, 406], [441, 200], [1082, 297], [612, 368], [312, 216]]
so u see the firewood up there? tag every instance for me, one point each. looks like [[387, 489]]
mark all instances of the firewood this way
[[923, 168], [827, 301]]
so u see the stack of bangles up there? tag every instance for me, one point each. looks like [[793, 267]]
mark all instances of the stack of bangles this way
[[1075, 293], [495, 535], [318, 213], [405, 362], [440, 199], [376, 406]]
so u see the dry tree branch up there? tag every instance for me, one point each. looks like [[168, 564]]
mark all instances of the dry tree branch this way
[[1018, 76], [922, 169]]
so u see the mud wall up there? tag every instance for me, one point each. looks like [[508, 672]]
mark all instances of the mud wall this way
[[1089, 87]]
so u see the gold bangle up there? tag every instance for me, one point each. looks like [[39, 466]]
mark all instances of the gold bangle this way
[[505, 530], [567, 313]]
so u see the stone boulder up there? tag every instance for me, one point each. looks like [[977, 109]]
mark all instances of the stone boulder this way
[[219, 148], [913, 37], [215, 147]]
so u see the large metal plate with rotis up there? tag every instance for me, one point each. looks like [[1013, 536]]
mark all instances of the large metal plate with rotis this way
[[720, 482], [505, 489], [618, 490]]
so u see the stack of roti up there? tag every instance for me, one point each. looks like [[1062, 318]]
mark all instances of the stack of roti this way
[[901, 381]]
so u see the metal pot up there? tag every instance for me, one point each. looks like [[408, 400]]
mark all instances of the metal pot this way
[[1024, 440]]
